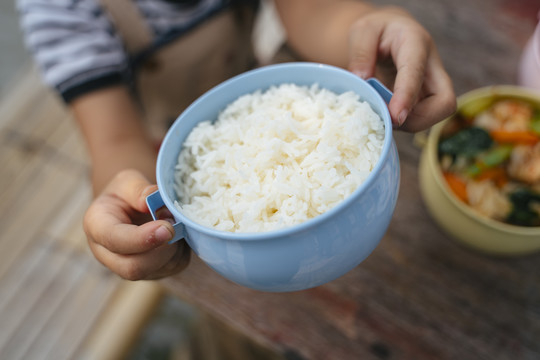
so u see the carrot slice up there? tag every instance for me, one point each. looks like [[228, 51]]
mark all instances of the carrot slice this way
[[457, 185], [497, 175], [514, 137]]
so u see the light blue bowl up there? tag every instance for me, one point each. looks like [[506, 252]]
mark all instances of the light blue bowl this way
[[305, 255]]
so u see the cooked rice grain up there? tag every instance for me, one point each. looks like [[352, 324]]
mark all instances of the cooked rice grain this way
[[277, 158]]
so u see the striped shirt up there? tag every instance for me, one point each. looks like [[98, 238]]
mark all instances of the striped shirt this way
[[77, 49]]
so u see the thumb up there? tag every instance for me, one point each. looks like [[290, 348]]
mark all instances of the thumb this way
[[132, 187], [363, 49]]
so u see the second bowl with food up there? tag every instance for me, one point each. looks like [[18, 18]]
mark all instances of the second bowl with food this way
[[282, 178], [480, 171]]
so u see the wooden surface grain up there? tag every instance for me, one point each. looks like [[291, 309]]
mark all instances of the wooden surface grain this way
[[56, 301], [419, 295]]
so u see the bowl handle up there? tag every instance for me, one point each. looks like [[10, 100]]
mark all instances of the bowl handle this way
[[381, 89], [155, 202]]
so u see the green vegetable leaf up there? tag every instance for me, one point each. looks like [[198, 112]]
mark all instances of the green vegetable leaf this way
[[522, 214], [535, 123], [522, 217], [489, 159], [496, 156], [475, 107], [523, 197], [468, 142], [474, 170]]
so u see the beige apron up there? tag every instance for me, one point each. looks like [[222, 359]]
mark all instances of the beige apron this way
[[176, 74]]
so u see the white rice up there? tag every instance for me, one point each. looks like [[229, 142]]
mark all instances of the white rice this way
[[277, 158]]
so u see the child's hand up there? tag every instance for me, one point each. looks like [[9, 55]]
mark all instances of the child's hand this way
[[423, 92], [122, 236]]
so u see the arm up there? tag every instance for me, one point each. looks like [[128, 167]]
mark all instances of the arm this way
[[80, 55], [318, 29], [358, 36], [123, 166], [113, 131]]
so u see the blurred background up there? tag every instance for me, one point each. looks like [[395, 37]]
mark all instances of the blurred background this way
[[56, 302], [13, 54]]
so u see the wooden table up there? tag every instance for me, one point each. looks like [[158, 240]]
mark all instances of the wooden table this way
[[420, 295]]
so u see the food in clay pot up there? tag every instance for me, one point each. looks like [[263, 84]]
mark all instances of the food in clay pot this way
[[489, 153]]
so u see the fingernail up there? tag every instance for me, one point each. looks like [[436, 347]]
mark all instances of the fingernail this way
[[402, 117], [361, 74], [162, 234]]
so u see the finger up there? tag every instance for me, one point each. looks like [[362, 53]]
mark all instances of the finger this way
[[107, 224], [133, 187], [122, 238], [137, 266], [363, 48], [438, 103], [176, 264], [410, 57]]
